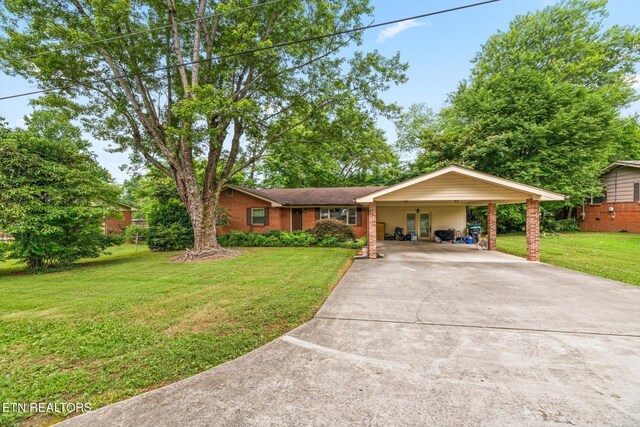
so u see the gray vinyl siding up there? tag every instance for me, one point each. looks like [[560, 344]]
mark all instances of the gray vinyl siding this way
[[619, 184]]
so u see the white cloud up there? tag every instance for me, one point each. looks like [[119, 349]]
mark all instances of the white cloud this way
[[636, 82], [396, 29]]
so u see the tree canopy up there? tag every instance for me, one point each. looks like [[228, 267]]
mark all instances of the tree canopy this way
[[53, 194], [543, 103], [226, 108], [344, 149]]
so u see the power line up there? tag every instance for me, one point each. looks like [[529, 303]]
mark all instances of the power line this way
[[137, 33], [255, 50]]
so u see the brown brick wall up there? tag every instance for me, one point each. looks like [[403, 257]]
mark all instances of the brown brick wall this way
[[626, 218], [279, 218], [372, 231], [117, 224], [237, 206], [492, 225], [533, 230]]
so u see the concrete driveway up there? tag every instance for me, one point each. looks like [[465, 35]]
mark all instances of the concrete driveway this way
[[429, 335]]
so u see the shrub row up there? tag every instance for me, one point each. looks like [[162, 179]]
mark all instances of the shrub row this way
[[304, 238]]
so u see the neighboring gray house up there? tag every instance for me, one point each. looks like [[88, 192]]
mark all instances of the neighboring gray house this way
[[622, 181], [619, 208]]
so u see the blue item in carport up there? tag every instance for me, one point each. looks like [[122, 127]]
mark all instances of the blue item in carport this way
[[469, 240]]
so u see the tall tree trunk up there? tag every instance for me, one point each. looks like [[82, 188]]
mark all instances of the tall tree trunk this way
[[204, 229], [202, 213]]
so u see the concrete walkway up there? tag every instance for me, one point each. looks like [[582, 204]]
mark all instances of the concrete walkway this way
[[430, 335]]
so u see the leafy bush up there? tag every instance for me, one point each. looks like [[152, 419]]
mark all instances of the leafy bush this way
[[134, 230], [327, 228], [278, 238], [5, 247], [169, 227], [54, 196], [560, 225]]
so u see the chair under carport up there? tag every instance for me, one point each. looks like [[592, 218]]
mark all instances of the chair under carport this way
[[450, 190]]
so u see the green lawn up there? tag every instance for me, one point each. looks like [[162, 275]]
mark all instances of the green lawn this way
[[133, 321], [611, 255]]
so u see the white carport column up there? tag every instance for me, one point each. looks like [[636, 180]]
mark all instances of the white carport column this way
[[533, 230], [372, 243]]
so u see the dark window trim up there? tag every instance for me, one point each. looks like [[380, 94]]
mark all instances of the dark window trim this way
[[319, 214]]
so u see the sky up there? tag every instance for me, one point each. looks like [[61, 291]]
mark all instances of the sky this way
[[438, 49]]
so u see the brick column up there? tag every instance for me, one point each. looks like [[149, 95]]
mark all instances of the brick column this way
[[371, 232], [491, 225], [533, 230]]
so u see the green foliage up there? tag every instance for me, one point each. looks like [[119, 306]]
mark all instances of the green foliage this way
[[53, 194], [542, 105], [276, 238], [5, 248], [559, 225], [331, 228], [513, 219], [178, 121], [169, 227], [345, 148], [134, 232]]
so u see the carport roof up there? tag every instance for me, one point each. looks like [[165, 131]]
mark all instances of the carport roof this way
[[458, 184]]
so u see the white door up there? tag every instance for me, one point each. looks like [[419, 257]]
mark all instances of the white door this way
[[425, 226]]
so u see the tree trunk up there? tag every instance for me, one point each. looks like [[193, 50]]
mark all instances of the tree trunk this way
[[203, 220], [204, 230]]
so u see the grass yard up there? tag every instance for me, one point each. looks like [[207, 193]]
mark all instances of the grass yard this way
[[611, 255], [132, 321]]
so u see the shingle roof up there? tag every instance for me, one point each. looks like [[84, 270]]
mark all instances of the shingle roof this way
[[628, 163], [327, 196]]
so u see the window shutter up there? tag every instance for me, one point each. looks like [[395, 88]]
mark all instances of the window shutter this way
[[636, 192], [317, 214], [248, 216], [266, 216], [359, 217]]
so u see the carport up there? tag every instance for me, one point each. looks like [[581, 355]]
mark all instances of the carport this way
[[440, 199]]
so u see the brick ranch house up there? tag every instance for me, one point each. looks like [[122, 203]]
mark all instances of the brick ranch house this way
[[422, 205], [619, 207]]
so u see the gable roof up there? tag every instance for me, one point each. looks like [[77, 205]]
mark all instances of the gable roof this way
[[622, 163], [326, 196], [523, 189]]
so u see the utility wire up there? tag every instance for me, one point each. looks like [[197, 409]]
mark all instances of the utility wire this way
[[256, 50], [137, 33]]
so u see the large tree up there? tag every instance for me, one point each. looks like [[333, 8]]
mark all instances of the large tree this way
[[53, 194], [342, 149], [543, 102], [225, 109]]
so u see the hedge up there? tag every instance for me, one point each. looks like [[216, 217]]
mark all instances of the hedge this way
[[276, 238]]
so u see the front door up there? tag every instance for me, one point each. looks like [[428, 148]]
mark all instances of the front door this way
[[425, 226], [296, 219]]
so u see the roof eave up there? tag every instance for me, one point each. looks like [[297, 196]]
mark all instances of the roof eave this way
[[274, 203], [542, 195]]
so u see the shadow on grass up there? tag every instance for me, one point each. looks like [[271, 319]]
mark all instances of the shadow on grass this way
[[19, 269]]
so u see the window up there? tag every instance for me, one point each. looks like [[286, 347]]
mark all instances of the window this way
[[346, 215], [229, 192], [257, 216], [636, 192]]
